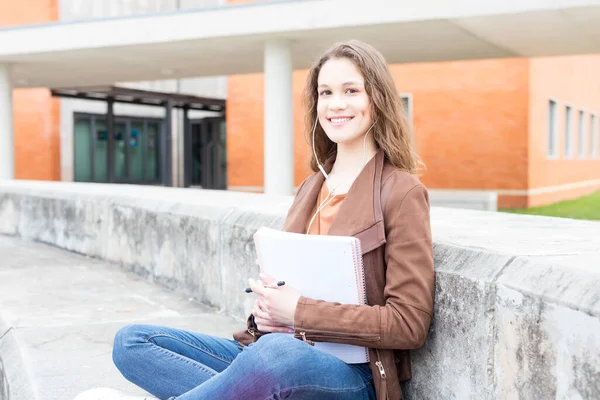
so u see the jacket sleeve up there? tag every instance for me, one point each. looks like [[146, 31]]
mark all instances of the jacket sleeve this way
[[403, 321]]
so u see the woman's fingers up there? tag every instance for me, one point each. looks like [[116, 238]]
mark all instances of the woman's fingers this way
[[276, 329], [267, 279], [262, 317], [260, 320], [257, 287], [266, 327], [258, 312], [261, 305]]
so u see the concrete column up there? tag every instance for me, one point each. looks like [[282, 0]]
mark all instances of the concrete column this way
[[7, 156], [279, 119]]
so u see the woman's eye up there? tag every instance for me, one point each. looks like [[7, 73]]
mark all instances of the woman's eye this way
[[351, 91], [324, 92]]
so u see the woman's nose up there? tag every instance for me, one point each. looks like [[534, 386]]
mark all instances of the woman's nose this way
[[337, 103]]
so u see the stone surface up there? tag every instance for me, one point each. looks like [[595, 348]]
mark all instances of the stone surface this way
[[459, 355], [467, 199], [517, 311], [548, 328], [545, 350], [179, 238], [515, 234], [59, 313]]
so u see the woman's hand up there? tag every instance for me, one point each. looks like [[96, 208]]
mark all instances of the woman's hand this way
[[275, 307]]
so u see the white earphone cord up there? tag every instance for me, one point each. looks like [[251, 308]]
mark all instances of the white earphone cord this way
[[331, 192]]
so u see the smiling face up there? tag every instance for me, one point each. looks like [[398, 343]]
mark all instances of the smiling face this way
[[343, 105]]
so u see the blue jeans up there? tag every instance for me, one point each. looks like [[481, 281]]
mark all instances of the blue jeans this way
[[176, 364]]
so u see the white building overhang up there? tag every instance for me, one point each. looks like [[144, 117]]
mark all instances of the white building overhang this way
[[231, 39]]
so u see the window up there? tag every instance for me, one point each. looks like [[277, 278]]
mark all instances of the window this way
[[408, 106], [568, 132], [581, 136], [594, 133], [551, 149], [407, 101]]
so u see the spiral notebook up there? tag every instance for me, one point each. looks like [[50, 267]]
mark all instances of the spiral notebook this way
[[321, 267]]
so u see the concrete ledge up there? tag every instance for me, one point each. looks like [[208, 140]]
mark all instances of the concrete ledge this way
[[469, 199], [179, 238], [15, 374], [517, 297]]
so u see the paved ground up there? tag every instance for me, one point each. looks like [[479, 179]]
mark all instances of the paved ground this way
[[61, 310]]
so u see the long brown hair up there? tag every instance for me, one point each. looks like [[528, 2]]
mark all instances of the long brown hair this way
[[391, 131]]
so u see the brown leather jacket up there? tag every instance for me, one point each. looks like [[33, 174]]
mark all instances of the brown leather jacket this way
[[388, 210]]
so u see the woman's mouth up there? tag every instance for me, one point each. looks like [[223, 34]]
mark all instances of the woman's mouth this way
[[338, 121]]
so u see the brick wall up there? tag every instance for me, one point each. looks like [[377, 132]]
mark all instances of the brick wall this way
[[36, 113], [23, 12], [245, 130], [470, 121], [567, 80]]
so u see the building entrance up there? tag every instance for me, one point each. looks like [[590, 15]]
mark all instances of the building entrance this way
[[207, 166], [118, 149]]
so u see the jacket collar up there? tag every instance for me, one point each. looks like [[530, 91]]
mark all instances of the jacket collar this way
[[360, 214]]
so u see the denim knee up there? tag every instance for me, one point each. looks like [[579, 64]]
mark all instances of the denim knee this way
[[280, 353], [275, 341], [125, 339]]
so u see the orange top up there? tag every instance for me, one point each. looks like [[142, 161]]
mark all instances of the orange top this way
[[324, 219]]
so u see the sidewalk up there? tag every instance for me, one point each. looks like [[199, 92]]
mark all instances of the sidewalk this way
[[59, 312]]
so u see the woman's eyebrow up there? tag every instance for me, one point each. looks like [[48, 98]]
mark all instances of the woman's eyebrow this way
[[349, 83]]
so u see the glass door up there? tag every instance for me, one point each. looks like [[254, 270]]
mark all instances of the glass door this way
[[135, 149], [151, 148], [100, 152], [207, 166], [83, 156], [141, 154], [120, 149], [137, 143]]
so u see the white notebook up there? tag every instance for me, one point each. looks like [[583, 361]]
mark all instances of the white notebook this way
[[321, 267]]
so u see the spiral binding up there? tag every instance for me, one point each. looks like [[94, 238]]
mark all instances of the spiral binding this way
[[359, 271]]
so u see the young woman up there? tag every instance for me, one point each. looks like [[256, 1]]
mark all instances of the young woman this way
[[365, 188]]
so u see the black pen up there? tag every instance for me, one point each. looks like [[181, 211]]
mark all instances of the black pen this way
[[280, 283]]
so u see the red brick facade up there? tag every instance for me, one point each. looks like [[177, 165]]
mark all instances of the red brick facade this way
[[36, 115], [479, 125]]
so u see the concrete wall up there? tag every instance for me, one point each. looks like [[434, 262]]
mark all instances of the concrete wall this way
[[517, 312], [72, 10]]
